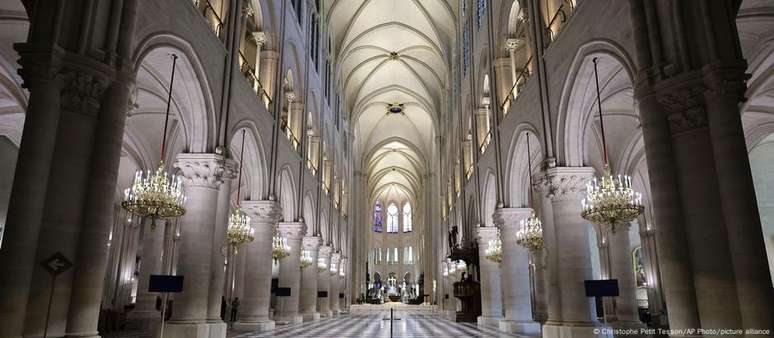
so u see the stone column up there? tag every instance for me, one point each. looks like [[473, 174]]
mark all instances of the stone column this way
[[565, 186], [267, 75], [333, 295], [260, 40], [89, 273], [253, 313], [726, 90], [290, 273], [217, 257], [511, 44], [201, 178], [620, 268], [491, 296], [151, 264], [309, 280], [324, 281], [515, 274]]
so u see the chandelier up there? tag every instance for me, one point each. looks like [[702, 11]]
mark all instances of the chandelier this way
[[611, 199], [306, 259], [239, 230], [530, 233], [157, 194], [321, 264], [494, 250], [279, 247]]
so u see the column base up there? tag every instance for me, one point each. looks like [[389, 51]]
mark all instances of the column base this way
[[326, 314], [450, 315], [183, 330], [576, 330], [289, 319], [83, 335], [311, 317], [488, 321], [261, 326], [218, 329], [520, 327]]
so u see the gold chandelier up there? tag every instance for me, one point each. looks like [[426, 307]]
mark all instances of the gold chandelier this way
[[321, 264], [610, 200], [530, 233], [239, 231], [157, 194], [279, 246], [494, 250], [306, 259]]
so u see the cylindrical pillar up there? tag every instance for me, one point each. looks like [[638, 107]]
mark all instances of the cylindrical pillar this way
[[515, 274], [333, 295], [28, 193], [491, 296], [290, 273], [621, 269], [565, 185], [309, 280], [324, 281], [219, 252], [201, 179], [253, 313], [151, 264]]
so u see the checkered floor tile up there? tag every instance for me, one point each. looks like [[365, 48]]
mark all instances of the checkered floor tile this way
[[377, 324]]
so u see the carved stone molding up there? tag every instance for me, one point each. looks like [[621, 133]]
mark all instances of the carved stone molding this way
[[507, 219], [726, 82], [261, 212], [325, 252], [562, 183], [311, 243], [200, 170], [230, 169], [335, 258], [260, 38], [291, 230], [486, 234], [685, 108], [512, 44], [82, 91]]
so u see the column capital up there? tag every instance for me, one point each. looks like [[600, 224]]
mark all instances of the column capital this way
[[684, 105], [509, 218], [512, 44], [311, 243], [486, 234], [230, 169], [200, 169], [325, 251], [561, 183], [260, 38], [335, 257], [291, 230], [261, 211], [82, 91]]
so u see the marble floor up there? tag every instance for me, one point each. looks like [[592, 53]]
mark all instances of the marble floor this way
[[377, 324]]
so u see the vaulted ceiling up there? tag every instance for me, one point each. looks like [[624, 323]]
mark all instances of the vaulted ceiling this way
[[393, 52]]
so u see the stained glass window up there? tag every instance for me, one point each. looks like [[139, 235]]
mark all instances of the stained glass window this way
[[378, 217], [407, 219], [480, 12], [392, 218]]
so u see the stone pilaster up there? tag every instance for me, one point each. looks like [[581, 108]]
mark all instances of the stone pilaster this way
[[565, 187], [253, 314], [309, 280], [491, 295], [290, 273], [515, 274], [324, 281], [201, 175]]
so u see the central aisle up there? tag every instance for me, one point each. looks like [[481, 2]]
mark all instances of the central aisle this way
[[372, 324]]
